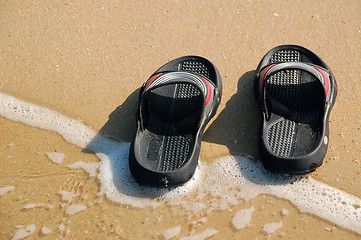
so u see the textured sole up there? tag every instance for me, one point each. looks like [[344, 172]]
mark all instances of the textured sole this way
[[189, 98], [195, 67], [177, 146], [284, 137], [283, 86], [165, 153], [294, 134]]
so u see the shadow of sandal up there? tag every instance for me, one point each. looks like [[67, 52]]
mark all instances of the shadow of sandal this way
[[121, 125], [237, 125], [111, 145]]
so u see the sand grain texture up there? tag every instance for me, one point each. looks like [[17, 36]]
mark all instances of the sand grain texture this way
[[85, 62]]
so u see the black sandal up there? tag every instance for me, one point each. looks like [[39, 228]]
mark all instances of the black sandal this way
[[296, 91], [175, 105]]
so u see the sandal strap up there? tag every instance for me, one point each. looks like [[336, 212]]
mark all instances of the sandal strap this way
[[168, 78], [320, 73], [162, 79]]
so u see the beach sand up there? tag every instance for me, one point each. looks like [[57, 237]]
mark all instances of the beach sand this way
[[86, 61]]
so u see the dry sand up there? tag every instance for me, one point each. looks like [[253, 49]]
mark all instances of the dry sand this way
[[87, 61]]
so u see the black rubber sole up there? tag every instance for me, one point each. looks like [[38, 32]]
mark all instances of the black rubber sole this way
[[166, 152], [295, 139]]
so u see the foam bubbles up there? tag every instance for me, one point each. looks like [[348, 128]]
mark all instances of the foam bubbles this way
[[20, 111], [226, 180], [46, 230], [201, 236], [35, 205], [24, 232], [67, 196], [61, 227], [272, 227], [118, 184], [306, 193], [56, 157], [5, 190], [75, 208], [171, 232], [284, 212], [90, 168], [242, 218]]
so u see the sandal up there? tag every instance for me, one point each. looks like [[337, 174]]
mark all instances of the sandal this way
[[175, 105], [296, 91]]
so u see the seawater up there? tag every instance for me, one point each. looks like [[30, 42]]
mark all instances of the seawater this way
[[227, 180]]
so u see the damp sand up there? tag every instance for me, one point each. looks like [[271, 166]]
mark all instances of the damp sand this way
[[69, 79]]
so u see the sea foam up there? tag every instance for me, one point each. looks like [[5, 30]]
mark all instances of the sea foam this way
[[272, 227], [56, 157], [5, 190], [24, 232], [201, 236], [242, 218], [75, 208], [171, 232], [228, 179]]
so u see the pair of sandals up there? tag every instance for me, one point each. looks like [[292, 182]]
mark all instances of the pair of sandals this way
[[295, 90]]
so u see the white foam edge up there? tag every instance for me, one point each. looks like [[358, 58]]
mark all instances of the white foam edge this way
[[242, 218], [61, 227], [56, 157], [218, 178], [35, 205], [90, 168], [209, 232], [75, 208], [67, 196], [284, 211], [171, 232], [5, 190], [18, 110], [272, 227], [24, 232], [45, 230]]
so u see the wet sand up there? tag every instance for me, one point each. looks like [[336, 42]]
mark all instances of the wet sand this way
[[86, 61]]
